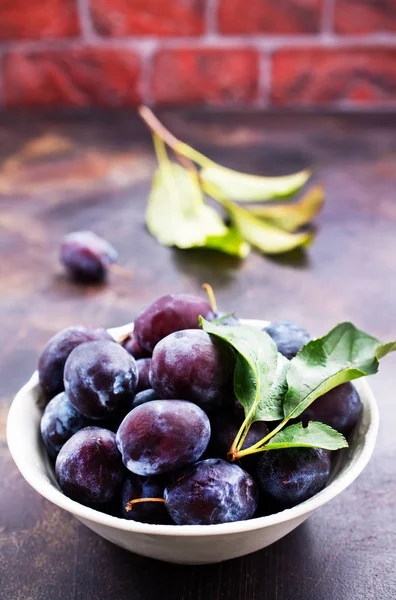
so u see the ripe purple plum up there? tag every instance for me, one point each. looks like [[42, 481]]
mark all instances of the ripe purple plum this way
[[168, 314], [149, 511], [340, 408], [190, 365], [210, 492], [86, 256], [59, 422], [144, 396], [163, 435], [132, 346], [289, 476], [100, 379], [53, 358], [143, 366], [226, 319], [289, 337], [89, 468]]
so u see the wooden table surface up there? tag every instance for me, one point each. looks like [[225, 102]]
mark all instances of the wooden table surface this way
[[65, 172]]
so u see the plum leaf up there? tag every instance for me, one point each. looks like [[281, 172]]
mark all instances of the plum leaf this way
[[252, 188], [314, 435], [344, 354], [260, 370], [293, 215]]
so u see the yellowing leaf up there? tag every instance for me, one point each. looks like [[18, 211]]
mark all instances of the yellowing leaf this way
[[231, 243], [292, 216], [176, 213], [252, 188], [263, 235], [178, 216]]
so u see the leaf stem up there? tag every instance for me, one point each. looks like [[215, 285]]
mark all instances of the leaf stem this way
[[178, 146], [235, 446], [241, 453], [258, 447], [271, 434], [165, 166], [215, 193], [243, 436], [160, 150], [187, 164], [242, 433]]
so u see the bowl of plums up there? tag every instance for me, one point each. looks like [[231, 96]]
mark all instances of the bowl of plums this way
[[193, 436]]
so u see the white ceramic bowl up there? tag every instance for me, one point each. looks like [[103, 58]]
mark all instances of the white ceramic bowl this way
[[188, 544]]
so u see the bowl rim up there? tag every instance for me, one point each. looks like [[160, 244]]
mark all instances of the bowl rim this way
[[42, 484]]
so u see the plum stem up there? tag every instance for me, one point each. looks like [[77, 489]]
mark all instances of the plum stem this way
[[120, 271], [211, 295], [124, 337], [130, 504]]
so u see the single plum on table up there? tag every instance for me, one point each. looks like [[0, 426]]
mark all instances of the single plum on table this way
[[149, 511], [59, 422], [289, 337], [89, 467], [168, 314], [163, 435], [210, 492], [100, 379], [53, 358], [289, 476], [143, 367], [190, 365], [86, 256], [340, 408]]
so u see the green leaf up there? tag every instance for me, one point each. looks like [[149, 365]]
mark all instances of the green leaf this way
[[294, 215], [344, 354], [231, 242], [260, 374], [176, 213], [252, 188], [270, 404], [264, 236], [315, 435], [385, 349]]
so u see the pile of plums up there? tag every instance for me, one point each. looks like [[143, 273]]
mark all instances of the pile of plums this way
[[141, 428]]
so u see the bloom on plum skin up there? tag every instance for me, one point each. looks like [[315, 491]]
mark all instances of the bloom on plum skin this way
[[163, 435]]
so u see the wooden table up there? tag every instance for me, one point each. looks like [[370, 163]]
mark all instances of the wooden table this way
[[66, 172]]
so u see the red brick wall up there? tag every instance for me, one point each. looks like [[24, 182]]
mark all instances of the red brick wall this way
[[265, 53]]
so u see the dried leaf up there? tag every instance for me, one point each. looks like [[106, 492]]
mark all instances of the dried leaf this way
[[252, 188], [291, 216], [264, 236]]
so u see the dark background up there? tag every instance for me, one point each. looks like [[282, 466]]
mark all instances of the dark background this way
[[67, 172]]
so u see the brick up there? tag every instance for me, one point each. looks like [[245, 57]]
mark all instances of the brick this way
[[30, 19], [148, 17], [364, 16], [206, 75], [72, 77], [269, 16], [322, 76]]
